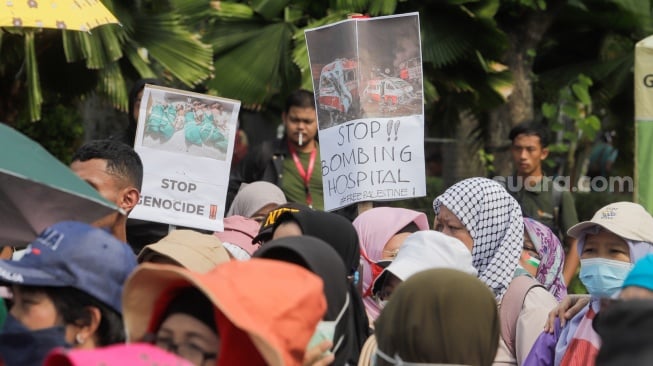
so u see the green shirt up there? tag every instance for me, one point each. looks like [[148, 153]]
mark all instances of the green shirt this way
[[538, 203], [292, 183]]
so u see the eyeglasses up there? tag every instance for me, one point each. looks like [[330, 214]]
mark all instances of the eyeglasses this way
[[188, 351], [392, 253]]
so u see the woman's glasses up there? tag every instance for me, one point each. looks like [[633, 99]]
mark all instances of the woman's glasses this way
[[185, 350]]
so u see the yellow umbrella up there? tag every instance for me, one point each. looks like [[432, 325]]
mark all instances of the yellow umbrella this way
[[82, 15]]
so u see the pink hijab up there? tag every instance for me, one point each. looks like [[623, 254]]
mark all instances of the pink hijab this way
[[375, 227]]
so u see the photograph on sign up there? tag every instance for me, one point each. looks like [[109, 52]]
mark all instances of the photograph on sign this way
[[334, 68], [391, 67], [186, 142], [367, 81], [193, 125]]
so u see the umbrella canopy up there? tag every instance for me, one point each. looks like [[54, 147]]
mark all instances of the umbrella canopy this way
[[37, 190], [82, 15]]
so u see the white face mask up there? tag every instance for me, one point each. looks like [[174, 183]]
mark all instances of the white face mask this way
[[326, 330], [380, 303], [396, 360]]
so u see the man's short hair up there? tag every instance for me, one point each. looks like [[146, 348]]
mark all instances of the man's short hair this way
[[300, 98], [530, 128], [121, 159]]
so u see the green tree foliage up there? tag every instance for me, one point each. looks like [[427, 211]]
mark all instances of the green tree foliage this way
[[151, 41]]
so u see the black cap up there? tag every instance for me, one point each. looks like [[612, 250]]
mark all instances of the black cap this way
[[267, 226]]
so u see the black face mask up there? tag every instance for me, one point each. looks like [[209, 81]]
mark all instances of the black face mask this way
[[20, 346]]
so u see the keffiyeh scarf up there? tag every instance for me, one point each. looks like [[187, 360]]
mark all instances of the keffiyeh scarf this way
[[494, 221]]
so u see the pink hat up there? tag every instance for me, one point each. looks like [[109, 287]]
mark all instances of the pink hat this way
[[135, 354], [240, 231]]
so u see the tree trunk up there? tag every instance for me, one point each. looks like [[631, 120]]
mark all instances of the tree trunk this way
[[461, 159], [523, 38]]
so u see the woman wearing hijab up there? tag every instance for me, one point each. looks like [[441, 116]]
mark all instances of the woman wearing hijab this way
[[421, 251], [338, 232], [65, 293], [618, 235], [255, 200], [187, 248], [439, 316], [381, 231], [543, 257], [228, 316], [318, 257], [480, 213]]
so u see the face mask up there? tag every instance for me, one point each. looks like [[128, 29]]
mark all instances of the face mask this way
[[21, 346], [326, 330], [521, 271], [603, 277], [380, 303]]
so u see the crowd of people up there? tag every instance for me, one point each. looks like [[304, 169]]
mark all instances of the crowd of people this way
[[287, 283]]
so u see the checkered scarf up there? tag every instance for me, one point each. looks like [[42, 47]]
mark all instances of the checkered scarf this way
[[495, 223]]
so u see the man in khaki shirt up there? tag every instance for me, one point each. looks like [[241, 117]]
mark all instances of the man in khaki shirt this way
[[540, 197]]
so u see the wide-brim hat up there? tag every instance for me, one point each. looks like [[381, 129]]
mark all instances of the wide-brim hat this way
[[117, 355], [237, 290], [191, 249]]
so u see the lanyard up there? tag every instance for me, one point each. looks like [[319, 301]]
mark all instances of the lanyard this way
[[306, 176]]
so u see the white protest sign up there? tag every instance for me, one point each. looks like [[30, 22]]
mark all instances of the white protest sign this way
[[367, 78], [186, 142]]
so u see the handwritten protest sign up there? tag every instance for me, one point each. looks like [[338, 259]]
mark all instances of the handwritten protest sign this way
[[367, 78], [186, 143]]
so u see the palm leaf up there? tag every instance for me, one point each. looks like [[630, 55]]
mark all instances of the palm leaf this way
[[232, 11], [269, 9], [225, 36], [350, 5], [382, 7], [34, 97], [112, 85], [139, 63], [300, 51], [194, 10], [256, 80], [181, 52]]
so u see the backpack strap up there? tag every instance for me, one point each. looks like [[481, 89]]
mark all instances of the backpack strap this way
[[511, 305]]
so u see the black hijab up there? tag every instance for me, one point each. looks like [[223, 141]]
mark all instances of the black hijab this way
[[334, 229], [340, 234], [318, 257]]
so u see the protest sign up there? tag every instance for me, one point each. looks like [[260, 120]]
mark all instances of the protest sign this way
[[367, 78], [644, 123], [186, 142]]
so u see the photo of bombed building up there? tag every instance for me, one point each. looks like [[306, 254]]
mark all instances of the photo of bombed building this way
[[368, 68], [334, 67], [390, 67]]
